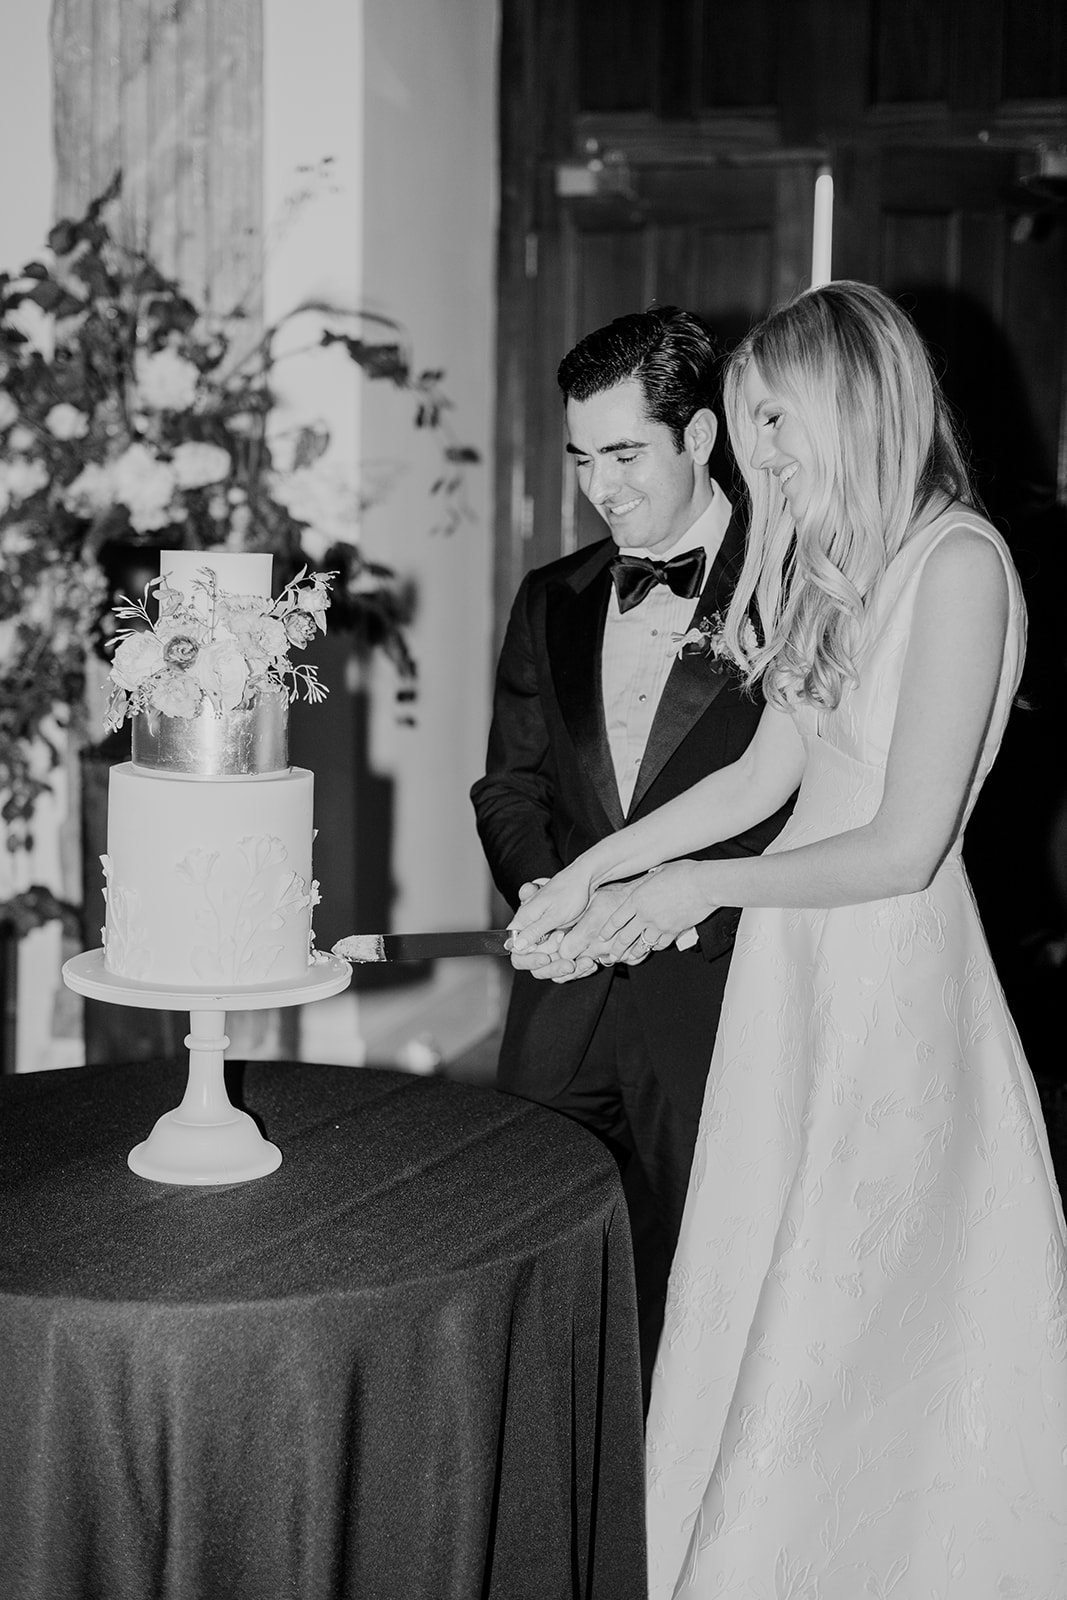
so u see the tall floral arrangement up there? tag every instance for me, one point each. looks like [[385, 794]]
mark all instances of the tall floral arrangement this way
[[127, 415]]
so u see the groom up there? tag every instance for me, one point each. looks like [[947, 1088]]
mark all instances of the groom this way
[[597, 719]]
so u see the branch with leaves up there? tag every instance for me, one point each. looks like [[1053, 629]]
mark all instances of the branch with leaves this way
[[125, 416]]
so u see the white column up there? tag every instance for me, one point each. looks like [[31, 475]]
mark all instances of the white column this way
[[313, 249], [25, 218]]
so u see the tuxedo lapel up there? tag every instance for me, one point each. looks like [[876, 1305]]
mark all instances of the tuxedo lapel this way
[[694, 681], [574, 634]]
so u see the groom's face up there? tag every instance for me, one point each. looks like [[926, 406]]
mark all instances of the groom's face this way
[[647, 490]]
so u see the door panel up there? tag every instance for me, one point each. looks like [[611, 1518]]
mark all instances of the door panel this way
[[724, 242]]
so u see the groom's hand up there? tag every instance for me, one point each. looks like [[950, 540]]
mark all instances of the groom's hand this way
[[543, 960]]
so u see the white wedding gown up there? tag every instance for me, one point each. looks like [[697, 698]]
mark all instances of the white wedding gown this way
[[861, 1388]]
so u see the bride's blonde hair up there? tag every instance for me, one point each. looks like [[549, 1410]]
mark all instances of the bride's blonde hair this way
[[856, 375]]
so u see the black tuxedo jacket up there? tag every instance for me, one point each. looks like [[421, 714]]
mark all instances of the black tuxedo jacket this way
[[550, 792]]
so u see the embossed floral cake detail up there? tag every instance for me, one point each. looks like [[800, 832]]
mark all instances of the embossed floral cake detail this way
[[242, 904], [212, 646], [122, 936]]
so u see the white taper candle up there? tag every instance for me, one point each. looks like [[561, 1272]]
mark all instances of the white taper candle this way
[[822, 229]]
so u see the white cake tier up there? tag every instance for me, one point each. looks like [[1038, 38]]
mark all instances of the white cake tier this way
[[208, 880], [237, 572]]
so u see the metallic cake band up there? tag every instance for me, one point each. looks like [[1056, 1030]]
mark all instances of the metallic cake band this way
[[243, 743]]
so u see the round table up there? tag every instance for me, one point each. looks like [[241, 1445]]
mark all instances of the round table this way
[[403, 1365]]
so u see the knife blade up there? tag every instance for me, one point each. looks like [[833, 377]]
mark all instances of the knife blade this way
[[367, 947]]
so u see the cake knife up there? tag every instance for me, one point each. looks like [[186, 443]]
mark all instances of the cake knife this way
[[366, 947], [361, 948]]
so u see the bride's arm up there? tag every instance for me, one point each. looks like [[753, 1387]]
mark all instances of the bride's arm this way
[[948, 687], [721, 806]]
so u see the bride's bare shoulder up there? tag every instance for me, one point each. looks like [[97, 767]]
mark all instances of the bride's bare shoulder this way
[[968, 557]]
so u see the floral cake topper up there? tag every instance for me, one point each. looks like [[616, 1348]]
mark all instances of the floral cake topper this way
[[226, 649]]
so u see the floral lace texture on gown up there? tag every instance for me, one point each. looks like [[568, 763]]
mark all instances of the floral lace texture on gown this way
[[861, 1388]]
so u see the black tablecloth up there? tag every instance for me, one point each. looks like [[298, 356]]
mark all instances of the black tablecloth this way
[[404, 1365]]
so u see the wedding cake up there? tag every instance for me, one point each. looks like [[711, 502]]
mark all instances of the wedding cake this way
[[209, 834]]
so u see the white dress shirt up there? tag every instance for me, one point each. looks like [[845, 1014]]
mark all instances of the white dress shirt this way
[[640, 647]]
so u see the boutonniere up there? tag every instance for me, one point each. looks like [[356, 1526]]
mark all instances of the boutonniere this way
[[705, 639]]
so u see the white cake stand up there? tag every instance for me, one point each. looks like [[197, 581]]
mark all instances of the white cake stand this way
[[206, 1139]]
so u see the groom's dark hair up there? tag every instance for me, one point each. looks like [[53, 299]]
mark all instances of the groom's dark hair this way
[[669, 352]]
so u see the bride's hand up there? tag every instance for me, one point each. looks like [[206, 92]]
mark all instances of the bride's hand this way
[[553, 904], [659, 910]]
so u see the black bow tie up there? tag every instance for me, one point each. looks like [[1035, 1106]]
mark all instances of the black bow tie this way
[[636, 576]]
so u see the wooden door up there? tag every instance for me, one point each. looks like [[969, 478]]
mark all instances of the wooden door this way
[[723, 242]]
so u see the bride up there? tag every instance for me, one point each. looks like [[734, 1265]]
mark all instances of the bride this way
[[861, 1387]]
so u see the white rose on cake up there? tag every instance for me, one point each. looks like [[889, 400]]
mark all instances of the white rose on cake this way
[[176, 693], [262, 638], [222, 672], [180, 649], [314, 597], [138, 657]]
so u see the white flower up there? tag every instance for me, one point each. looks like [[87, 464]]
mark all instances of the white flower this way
[[21, 439], [21, 479], [167, 382], [92, 491], [67, 422], [316, 604], [263, 639], [38, 327], [196, 464], [222, 672], [176, 694], [68, 328], [244, 423], [145, 485], [697, 640], [8, 410], [324, 497], [136, 659], [15, 539]]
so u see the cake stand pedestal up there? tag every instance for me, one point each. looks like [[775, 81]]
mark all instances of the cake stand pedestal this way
[[206, 1139]]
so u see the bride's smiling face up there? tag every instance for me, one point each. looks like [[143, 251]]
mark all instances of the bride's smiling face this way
[[782, 445]]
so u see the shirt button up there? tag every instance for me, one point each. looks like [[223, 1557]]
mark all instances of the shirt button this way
[[655, 633], [642, 698]]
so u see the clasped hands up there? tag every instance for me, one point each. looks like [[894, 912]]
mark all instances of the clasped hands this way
[[564, 930]]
